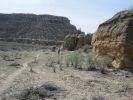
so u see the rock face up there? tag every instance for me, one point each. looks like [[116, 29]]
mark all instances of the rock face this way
[[34, 28], [70, 42], [115, 39], [76, 41]]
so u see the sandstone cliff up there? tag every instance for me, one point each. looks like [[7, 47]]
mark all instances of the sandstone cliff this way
[[115, 39], [34, 28]]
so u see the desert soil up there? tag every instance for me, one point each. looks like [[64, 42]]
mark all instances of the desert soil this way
[[78, 84]]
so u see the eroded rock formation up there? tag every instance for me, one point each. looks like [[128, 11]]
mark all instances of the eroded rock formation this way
[[34, 28], [115, 39], [70, 42], [76, 41]]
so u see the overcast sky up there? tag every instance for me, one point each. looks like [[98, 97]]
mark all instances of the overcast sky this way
[[85, 14]]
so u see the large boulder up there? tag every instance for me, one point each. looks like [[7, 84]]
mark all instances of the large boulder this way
[[115, 39], [70, 42], [73, 41], [76, 41]]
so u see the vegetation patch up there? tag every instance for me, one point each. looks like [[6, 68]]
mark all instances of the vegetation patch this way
[[15, 64], [75, 59], [95, 63], [47, 90]]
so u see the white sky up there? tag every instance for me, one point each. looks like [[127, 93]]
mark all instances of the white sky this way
[[85, 14]]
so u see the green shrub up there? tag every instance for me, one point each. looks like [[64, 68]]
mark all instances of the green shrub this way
[[88, 39], [98, 63], [70, 42], [50, 62], [104, 61], [75, 59], [76, 41], [87, 48], [80, 41], [92, 63]]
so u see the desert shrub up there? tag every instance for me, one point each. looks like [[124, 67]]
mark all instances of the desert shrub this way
[[16, 55], [70, 42], [35, 60], [92, 63], [8, 57], [50, 62], [88, 39], [97, 98], [67, 63], [87, 48], [5, 57], [53, 49], [11, 56], [61, 67], [80, 41], [98, 63], [15, 64], [75, 59], [104, 61], [48, 90]]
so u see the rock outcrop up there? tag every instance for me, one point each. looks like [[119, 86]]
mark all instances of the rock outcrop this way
[[115, 39], [34, 28], [70, 42], [76, 41]]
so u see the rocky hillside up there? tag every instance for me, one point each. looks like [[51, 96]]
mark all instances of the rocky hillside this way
[[34, 28], [115, 39]]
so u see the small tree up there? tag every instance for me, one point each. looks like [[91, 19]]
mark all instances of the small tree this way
[[79, 31], [88, 39]]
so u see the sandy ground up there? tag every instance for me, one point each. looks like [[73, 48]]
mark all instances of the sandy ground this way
[[78, 84]]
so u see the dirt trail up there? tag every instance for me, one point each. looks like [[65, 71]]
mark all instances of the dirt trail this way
[[6, 84]]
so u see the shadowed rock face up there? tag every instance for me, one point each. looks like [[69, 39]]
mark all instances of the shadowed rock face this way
[[27, 27], [73, 42], [115, 38], [70, 42]]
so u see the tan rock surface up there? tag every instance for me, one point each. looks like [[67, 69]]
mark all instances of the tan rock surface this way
[[115, 39]]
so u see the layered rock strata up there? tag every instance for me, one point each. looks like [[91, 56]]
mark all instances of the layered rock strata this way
[[34, 28]]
